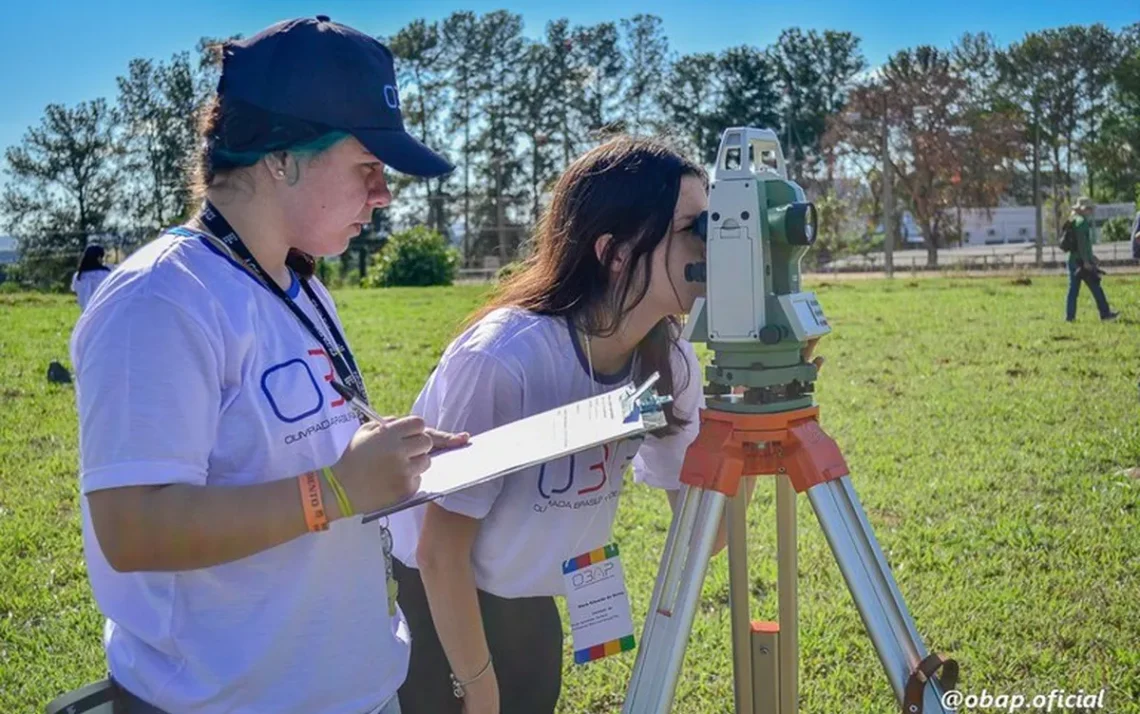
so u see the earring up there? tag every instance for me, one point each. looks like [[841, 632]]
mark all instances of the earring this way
[[280, 173]]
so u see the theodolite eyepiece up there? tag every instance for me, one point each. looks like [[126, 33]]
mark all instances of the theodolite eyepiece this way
[[698, 272], [701, 226]]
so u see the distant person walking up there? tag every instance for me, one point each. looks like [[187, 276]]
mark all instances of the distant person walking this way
[[89, 274], [1083, 265], [1136, 237]]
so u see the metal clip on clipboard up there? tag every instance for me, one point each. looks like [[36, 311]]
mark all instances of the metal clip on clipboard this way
[[649, 404]]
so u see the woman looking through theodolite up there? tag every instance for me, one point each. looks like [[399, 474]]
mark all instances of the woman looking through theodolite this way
[[595, 308]]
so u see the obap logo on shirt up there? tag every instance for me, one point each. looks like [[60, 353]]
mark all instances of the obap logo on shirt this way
[[293, 391], [599, 473]]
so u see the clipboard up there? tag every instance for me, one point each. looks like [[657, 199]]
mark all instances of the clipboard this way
[[618, 414]]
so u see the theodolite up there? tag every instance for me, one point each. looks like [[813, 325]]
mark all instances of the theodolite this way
[[761, 419]]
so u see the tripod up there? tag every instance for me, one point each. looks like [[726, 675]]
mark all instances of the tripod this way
[[736, 442]]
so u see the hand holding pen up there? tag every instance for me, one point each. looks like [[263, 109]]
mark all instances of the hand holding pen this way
[[439, 439]]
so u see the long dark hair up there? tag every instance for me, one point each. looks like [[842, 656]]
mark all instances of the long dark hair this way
[[628, 188], [235, 135], [92, 259]]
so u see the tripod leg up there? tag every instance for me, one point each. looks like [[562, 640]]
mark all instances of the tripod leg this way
[[787, 578], [738, 596], [876, 595], [676, 593]]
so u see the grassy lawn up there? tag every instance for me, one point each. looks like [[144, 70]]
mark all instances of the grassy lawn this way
[[987, 440]]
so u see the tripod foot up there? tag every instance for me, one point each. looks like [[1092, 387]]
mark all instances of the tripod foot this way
[[916, 683]]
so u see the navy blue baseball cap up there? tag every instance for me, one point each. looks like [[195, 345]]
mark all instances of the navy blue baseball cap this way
[[323, 72]]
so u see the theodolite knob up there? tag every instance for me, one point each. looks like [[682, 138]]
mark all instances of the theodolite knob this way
[[770, 334]]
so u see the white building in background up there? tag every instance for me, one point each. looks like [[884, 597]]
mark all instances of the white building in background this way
[[1018, 224], [1005, 224]]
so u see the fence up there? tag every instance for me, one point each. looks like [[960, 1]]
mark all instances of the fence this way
[[1004, 257], [51, 269], [46, 262]]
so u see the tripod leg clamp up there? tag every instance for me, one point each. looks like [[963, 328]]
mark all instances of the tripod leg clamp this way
[[916, 683]]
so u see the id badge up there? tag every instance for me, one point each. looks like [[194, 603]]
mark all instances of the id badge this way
[[598, 604], [391, 588]]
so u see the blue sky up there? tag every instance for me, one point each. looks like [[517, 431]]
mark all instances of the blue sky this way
[[66, 51]]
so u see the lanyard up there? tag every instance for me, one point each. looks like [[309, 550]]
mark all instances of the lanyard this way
[[226, 238]]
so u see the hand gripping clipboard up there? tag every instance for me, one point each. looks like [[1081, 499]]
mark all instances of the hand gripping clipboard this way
[[622, 413]]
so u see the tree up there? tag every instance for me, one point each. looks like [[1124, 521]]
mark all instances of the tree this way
[[1022, 84], [158, 104], [1099, 54], [1034, 66], [646, 49], [63, 176], [502, 51], [974, 58], [460, 37], [419, 54], [944, 150], [1116, 149], [1062, 77], [837, 224], [688, 104], [187, 89], [415, 257], [539, 114], [61, 188], [813, 74], [745, 92], [601, 68], [562, 82]]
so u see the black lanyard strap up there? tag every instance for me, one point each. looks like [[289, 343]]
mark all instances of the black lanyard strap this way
[[226, 238]]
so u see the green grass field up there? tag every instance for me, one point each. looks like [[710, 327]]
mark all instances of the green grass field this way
[[987, 440]]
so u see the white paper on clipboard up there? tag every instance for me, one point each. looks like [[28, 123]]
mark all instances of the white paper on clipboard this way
[[531, 441]]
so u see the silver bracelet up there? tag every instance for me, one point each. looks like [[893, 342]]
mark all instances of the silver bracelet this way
[[457, 686]]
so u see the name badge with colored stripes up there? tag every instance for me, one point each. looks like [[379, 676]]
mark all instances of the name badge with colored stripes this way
[[598, 604]]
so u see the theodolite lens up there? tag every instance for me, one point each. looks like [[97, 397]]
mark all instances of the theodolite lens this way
[[801, 224]]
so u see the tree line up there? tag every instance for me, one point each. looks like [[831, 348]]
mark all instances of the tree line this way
[[975, 124], [968, 125]]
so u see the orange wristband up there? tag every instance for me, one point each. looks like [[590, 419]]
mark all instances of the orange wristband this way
[[311, 500]]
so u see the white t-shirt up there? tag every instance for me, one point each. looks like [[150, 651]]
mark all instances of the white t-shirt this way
[[188, 370], [513, 364], [84, 285]]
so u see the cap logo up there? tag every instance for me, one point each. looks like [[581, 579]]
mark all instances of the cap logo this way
[[391, 96]]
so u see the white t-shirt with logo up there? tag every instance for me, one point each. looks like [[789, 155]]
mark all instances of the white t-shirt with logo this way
[[513, 364], [189, 371]]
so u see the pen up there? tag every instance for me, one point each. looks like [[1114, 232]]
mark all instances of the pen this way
[[357, 402]]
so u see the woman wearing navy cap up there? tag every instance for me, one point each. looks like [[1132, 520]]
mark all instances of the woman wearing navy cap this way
[[219, 467]]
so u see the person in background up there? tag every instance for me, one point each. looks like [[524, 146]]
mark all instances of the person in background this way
[[1136, 237], [89, 275], [1083, 265]]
